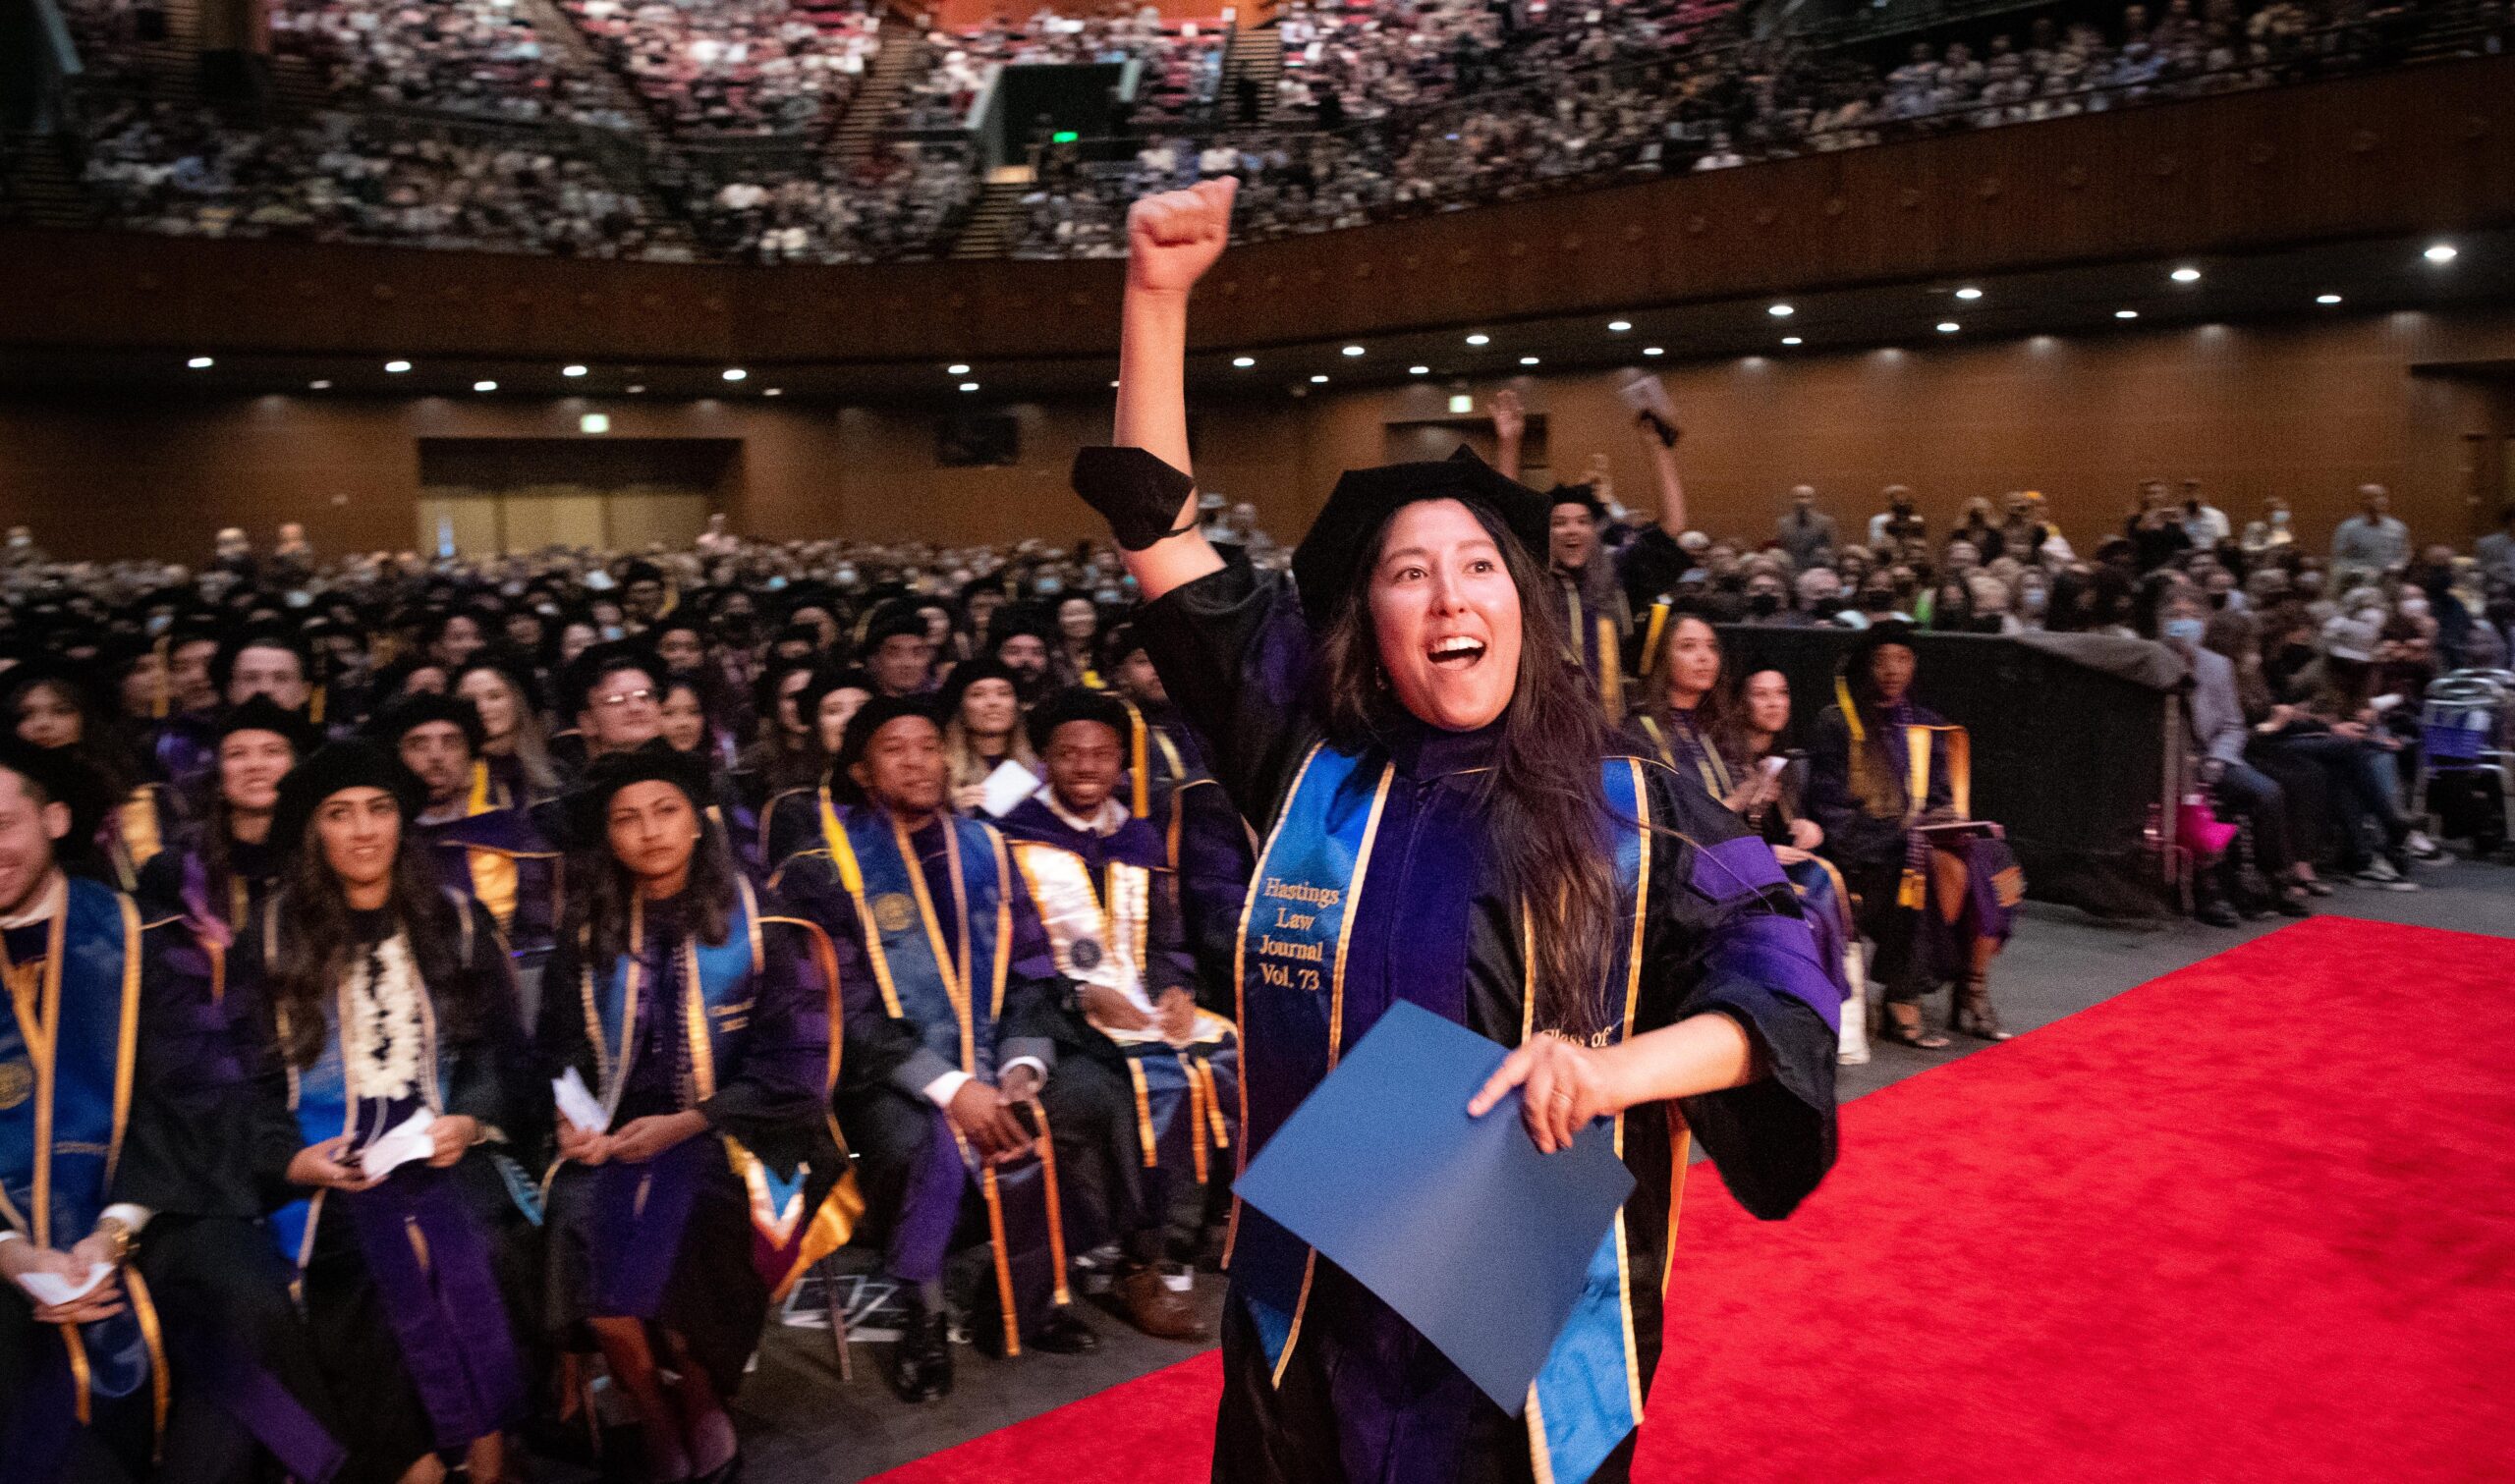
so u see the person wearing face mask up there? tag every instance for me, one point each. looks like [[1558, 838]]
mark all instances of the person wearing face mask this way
[[2220, 738], [1767, 598], [1399, 705], [1899, 522]]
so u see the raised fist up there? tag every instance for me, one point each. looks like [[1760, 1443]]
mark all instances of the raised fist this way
[[1173, 237]]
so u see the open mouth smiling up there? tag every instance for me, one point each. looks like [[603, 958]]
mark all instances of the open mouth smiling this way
[[1457, 652]]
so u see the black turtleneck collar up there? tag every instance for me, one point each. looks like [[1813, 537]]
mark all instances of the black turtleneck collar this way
[[1422, 751]]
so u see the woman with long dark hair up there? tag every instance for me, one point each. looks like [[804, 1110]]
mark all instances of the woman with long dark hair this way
[[706, 1029], [1450, 821], [1688, 720], [791, 820], [1887, 775], [218, 877], [387, 998]]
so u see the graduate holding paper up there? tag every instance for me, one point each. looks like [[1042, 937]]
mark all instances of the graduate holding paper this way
[[709, 1176], [1448, 821], [385, 996]]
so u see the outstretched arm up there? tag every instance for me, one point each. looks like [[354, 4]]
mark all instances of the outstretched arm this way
[[1662, 439], [1510, 430], [1172, 239]]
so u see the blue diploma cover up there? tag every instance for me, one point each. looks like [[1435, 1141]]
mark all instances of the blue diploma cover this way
[[1460, 1225]]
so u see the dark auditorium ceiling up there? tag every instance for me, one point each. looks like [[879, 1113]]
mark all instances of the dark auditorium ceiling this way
[[2381, 275]]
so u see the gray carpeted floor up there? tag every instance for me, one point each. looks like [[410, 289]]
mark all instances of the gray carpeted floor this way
[[802, 1425]]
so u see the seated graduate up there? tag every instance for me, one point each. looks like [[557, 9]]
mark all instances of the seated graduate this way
[[705, 1026], [491, 851], [1882, 769], [515, 744], [123, 1112], [983, 730], [180, 746], [951, 1014], [829, 698], [1135, 1074], [228, 865], [52, 705], [386, 996]]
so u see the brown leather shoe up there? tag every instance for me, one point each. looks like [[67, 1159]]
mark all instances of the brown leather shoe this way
[[1153, 1308]]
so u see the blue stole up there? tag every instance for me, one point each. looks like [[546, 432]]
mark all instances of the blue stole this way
[[68, 1051], [933, 984], [650, 1204], [1294, 930]]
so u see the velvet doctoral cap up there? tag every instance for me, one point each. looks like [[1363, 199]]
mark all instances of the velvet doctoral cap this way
[[1336, 552], [342, 765], [656, 761], [1076, 703]]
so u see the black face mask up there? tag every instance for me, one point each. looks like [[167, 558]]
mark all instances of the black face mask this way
[[1764, 605], [1876, 602], [1826, 608]]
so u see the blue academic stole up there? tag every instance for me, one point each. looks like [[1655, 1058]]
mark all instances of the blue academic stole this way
[[719, 995], [68, 1052], [1294, 930], [321, 1095], [952, 992]]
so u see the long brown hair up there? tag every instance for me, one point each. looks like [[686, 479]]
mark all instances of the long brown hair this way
[[317, 944], [1545, 808], [601, 914]]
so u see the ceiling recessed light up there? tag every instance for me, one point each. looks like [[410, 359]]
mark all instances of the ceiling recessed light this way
[[1528, 360], [734, 373], [1969, 294], [571, 370], [635, 389], [957, 368], [1243, 361], [1618, 326], [397, 367], [320, 386], [1948, 327], [200, 362], [1418, 370], [1790, 340], [1654, 350], [2185, 275], [2126, 314], [969, 386], [2326, 299], [1479, 339], [2441, 252], [484, 386], [1353, 349], [1319, 381], [1781, 312], [775, 391]]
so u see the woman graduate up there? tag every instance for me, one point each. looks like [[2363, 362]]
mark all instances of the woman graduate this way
[[388, 996], [1449, 821], [1882, 771], [225, 869], [708, 1029]]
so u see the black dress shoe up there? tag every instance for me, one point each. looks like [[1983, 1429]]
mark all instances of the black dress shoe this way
[[1063, 1333], [923, 1370], [2216, 915], [2291, 905]]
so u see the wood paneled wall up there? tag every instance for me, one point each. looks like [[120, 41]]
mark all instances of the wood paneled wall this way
[[2307, 410]]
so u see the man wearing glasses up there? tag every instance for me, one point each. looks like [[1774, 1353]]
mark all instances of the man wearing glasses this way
[[616, 690]]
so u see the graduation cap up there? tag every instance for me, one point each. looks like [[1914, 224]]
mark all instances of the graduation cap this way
[[657, 762], [967, 673], [889, 621], [1076, 703], [420, 707], [873, 717], [61, 777], [1336, 552], [1584, 495], [342, 765], [259, 713]]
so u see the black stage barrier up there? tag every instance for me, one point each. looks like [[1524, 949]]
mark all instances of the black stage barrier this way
[[2071, 745]]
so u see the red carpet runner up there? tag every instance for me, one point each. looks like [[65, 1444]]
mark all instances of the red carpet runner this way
[[2253, 1220]]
